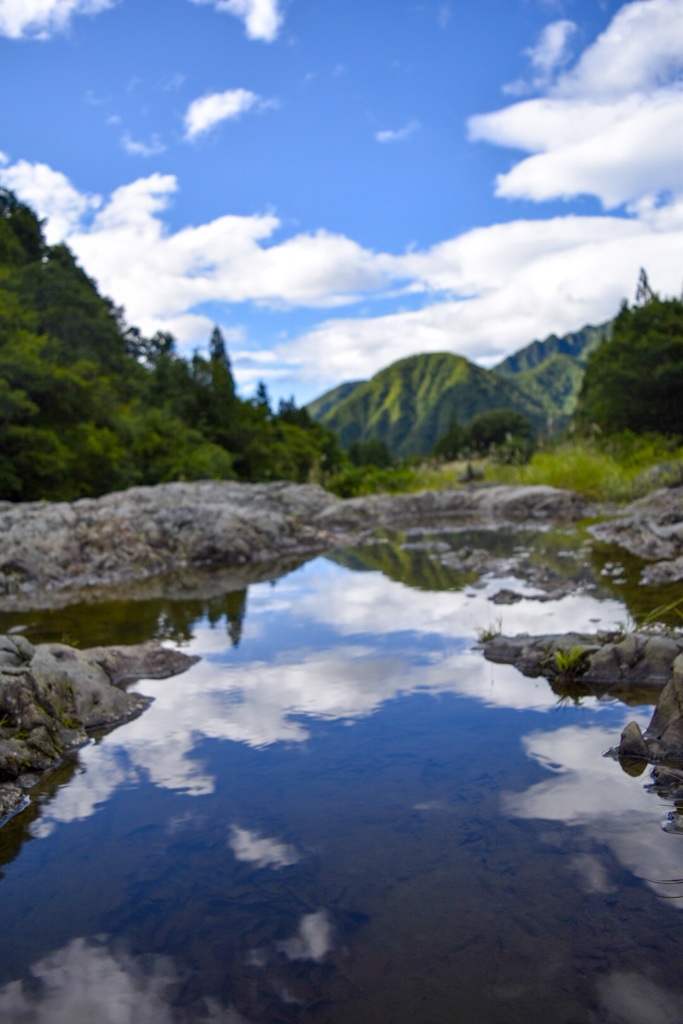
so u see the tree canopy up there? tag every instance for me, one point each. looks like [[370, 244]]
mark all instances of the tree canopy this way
[[89, 405], [634, 381]]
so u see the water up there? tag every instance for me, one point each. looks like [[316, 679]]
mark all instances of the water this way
[[342, 814]]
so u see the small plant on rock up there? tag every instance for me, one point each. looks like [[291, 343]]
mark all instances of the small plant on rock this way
[[569, 663]]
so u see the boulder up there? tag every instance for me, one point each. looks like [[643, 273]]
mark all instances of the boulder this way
[[52, 695]]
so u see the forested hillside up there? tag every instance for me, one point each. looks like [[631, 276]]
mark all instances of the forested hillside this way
[[89, 405], [411, 403]]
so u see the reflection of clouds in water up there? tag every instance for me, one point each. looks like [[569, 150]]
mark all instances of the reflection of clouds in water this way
[[313, 939], [592, 791], [264, 702], [632, 999], [370, 602], [251, 848], [84, 983], [84, 793]]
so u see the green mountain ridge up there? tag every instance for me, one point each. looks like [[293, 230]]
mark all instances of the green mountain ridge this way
[[411, 403]]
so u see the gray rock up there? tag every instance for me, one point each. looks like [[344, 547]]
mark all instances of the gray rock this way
[[52, 553], [632, 743], [50, 702], [652, 529], [638, 665]]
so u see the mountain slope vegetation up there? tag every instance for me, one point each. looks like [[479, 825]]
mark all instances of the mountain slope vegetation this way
[[411, 403]]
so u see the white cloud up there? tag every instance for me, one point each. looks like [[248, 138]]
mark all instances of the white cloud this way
[[52, 195], [484, 293], [4, 159], [551, 51], [40, 19], [609, 127], [87, 981], [398, 134], [510, 283], [205, 113], [262, 19], [135, 148]]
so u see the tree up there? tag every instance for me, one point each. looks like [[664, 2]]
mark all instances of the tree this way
[[451, 442], [634, 381], [497, 427]]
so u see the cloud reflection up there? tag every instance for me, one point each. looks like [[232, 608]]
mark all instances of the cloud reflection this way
[[251, 848], [87, 983], [382, 640], [633, 999], [591, 791], [312, 941]]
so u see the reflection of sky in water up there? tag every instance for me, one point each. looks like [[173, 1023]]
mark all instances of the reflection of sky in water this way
[[355, 768], [324, 643], [591, 791]]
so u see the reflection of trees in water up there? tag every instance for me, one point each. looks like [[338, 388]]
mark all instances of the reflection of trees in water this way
[[413, 557], [132, 622]]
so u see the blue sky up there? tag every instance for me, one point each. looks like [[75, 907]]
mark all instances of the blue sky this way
[[339, 183]]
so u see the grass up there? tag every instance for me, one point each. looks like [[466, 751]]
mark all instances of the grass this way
[[490, 632], [569, 662], [614, 470], [600, 471]]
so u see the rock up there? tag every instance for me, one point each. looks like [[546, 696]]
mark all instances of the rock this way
[[652, 529], [637, 666], [56, 694], [48, 551], [12, 800], [665, 731], [632, 743]]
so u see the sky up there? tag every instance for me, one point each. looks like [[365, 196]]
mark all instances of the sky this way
[[339, 184]]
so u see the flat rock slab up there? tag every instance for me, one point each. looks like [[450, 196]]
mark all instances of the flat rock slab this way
[[53, 695], [147, 532], [652, 529]]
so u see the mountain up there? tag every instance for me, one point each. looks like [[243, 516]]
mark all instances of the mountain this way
[[577, 345], [410, 404], [319, 407]]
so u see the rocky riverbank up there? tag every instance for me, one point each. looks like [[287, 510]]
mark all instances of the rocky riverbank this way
[[49, 553], [638, 668], [53, 696]]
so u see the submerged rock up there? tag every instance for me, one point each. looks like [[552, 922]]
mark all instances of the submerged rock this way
[[52, 695]]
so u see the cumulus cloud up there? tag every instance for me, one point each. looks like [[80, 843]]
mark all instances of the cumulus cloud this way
[[261, 851], [52, 195], [205, 113], [40, 19], [551, 51], [482, 294], [591, 791], [262, 19], [606, 127], [610, 126], [136, 148], [398, 134]]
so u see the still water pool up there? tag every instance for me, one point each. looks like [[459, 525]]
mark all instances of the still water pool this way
[[344, 814]]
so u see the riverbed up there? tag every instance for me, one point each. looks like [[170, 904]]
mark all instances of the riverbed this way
[[343, 813]]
